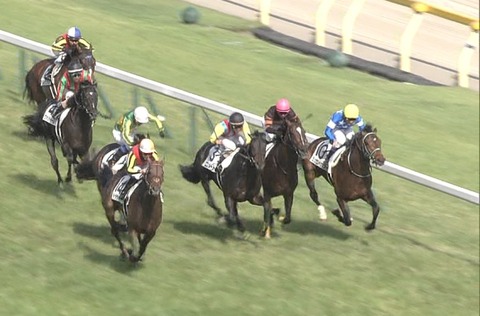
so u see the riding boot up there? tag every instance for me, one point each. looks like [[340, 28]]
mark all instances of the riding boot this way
[[116, 156], [58, 110]]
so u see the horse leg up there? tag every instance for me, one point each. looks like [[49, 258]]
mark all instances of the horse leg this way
[[53, 158], [344, 216], [370, 199], [288, 203], [233, 217], [109, 207], [256, 200], [143, 244], [71, 159], [267, 218], [210, 200], [310, 181]]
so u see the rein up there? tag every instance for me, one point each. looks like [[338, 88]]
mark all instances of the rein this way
[[365, 152]]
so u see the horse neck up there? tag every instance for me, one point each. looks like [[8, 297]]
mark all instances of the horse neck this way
[[284, 154], [356, 155]]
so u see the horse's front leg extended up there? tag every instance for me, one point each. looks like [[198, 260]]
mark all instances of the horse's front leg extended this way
[[370, 199], [71, 159], [53, 158], [344, 216]]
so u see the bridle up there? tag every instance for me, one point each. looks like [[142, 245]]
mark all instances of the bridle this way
[[368, 154], [156, 188], [80, 99]]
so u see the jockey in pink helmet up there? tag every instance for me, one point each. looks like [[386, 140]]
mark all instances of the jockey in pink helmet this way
[[276, 115]]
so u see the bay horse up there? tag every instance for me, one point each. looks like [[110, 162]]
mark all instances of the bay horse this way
[[239, 182], [73, 130], [351, 177], [35, 92], [280, 175], [145, 208]]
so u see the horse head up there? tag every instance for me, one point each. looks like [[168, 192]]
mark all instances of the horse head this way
[[257, 149], [370, 145], [296, 138], [154, 177], [86, 99]]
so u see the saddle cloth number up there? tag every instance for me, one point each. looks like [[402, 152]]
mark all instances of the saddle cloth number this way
[[212, 159], [48, 115], [320, 153]]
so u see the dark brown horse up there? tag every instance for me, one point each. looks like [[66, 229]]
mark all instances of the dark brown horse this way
[[239, 182], [280, 176], [351, 177], [73, 130], [37, 93], [145, 208]]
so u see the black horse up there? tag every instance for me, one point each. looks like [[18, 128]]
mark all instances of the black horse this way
[[35, 92], [73, 130], [280, 177], [239, 182], [144, 208], [351, 177]]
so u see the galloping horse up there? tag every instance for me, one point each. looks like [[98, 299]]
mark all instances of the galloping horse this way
[[73, 130], [280, 175], [351, 177], [37, 93], [145, 208], [239, 182]]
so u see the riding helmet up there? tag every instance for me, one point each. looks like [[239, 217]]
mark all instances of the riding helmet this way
[[236, 119], [141, 114], [282, 106], [351, 111], [147, 146], [74, 33], [74, 67]]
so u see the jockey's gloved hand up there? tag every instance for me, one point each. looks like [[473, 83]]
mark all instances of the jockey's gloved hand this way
[[161, 133]]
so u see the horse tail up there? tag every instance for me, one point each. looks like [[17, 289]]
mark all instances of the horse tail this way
[[85, 170], [190, 174], [35, 125], [28, 92]]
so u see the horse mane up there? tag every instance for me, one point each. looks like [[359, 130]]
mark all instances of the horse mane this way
[[368, 128]]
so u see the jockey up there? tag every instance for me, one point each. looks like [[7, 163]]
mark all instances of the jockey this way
[[124, 129], [275, 118], [339, 129], [66, 43], [138, 159], [231, 133], [71, 79]]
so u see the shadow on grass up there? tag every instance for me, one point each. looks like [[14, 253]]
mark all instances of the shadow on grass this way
[[45, 186], [222, 233], [113, 260], [98, 232], [214, 231]]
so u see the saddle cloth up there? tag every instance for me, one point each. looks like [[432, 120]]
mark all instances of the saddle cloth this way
[[213, 159], [321, 153]]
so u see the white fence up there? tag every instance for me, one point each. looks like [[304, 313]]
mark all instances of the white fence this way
[[226, 109]]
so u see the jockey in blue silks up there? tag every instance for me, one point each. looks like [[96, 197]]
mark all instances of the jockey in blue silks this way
[[339, 129]]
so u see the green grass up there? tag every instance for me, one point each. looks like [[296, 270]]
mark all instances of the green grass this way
[[59, 257]]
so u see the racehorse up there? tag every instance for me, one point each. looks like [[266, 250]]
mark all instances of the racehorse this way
[[239, 182], [351, 177], [73, 130], [280, 175], [37, 93], [145, 208]]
